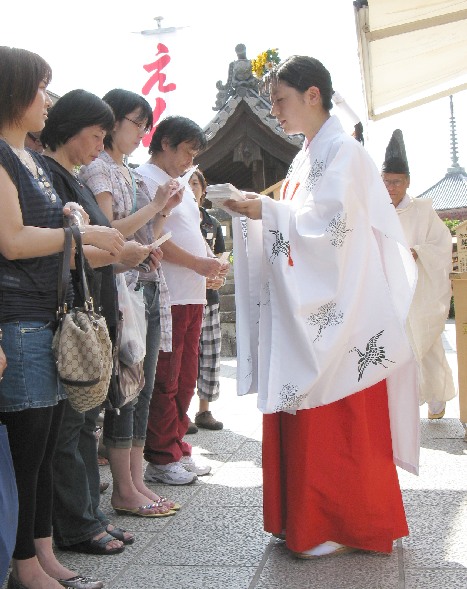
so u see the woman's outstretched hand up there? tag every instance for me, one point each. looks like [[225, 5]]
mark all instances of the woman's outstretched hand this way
[[251, 207]]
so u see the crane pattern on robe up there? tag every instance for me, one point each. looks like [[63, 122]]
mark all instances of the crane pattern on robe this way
[[338, 230], [326, 316], [374, 354], [288, 398], [280, 246]]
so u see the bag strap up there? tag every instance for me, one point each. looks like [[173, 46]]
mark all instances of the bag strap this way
[[64, 273], [72, 232], [80, 268]]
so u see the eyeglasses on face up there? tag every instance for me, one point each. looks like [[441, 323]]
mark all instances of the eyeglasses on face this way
[[141, 126], [395, 183], [35, 139]]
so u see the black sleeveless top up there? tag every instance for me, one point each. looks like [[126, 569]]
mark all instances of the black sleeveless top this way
[[28, 287], [101, 281]]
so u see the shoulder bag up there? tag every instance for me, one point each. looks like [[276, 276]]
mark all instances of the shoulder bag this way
[[81, 344]]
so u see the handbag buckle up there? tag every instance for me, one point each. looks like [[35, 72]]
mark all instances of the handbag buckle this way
[[89, 305], [62, 310]]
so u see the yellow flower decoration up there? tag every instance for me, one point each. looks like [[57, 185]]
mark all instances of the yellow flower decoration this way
[[264, 62]]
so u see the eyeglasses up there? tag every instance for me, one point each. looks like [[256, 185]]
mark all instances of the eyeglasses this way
[[141, 126], [395, 183], [35, 139]]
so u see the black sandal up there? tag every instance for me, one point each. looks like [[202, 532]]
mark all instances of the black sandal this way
[[92, 546], [119, 534]]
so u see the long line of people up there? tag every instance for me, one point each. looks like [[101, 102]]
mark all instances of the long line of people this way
[[308, 405], [86, 142]]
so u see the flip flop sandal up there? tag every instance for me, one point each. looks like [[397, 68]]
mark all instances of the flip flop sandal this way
[[119, 534], [80, 582], [92, 546], [144, 511], [168, 503]]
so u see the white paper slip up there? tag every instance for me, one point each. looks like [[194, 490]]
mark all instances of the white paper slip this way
[[183, 180], [220, 192], [224, 257], [160, 241]]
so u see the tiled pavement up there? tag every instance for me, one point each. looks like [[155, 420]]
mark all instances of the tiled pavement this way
[[216, 541]]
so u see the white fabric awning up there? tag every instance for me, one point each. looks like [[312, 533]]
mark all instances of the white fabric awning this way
[[411, 52]]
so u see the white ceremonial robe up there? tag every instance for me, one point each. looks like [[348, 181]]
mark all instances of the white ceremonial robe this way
[[323, 286], [431, 239]]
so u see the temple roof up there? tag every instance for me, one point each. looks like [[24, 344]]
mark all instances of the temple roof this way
[[245, 144], [259, 106], [242, 85], [451, 191]]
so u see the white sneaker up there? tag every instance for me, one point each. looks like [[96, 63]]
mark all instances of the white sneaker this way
[[191, 466], [170, 474]]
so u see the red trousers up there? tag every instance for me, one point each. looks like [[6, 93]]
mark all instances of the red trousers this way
[[329, 475], [174, 387]]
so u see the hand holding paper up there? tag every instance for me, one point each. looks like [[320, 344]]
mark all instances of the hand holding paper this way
[[152, 261], [251, 206], [219, 194]]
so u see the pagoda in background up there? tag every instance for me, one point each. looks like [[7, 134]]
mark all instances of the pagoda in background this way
[[449, 195]]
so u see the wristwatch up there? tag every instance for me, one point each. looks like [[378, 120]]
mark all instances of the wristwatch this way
[[1, 336]]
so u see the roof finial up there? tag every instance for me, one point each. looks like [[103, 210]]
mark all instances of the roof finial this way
[[455, 167]]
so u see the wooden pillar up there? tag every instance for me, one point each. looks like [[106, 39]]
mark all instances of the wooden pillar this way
[[459, 281]]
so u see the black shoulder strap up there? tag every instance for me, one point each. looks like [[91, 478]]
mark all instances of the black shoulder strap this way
[[64, 270]]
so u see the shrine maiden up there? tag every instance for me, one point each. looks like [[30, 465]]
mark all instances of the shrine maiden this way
[[324, 280]]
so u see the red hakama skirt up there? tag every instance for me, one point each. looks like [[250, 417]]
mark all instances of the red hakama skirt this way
[[329, 474]]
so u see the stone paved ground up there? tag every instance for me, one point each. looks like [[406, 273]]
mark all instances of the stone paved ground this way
[[216, 541]]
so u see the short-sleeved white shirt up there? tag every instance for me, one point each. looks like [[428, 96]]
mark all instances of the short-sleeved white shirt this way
[[186, 287]]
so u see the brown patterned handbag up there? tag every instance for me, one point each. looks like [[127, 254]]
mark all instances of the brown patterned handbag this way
[[81, 344]]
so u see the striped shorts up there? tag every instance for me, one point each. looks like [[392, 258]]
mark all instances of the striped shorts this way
[[209, 363]]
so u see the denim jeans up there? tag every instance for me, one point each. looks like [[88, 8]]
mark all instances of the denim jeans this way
[[9, 503], [127, 426], [30, 380], [76, 515]]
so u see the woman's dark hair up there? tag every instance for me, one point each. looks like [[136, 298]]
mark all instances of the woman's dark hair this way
[[72, 113], [301, 72], [21, 73], [177, 130], [202, 180], [124, 102]]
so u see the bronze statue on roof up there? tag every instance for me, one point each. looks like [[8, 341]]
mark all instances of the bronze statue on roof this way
[[240, 78]]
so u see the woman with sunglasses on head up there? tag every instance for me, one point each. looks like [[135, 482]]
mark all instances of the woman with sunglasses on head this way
[[125, 200], [31, 237]]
